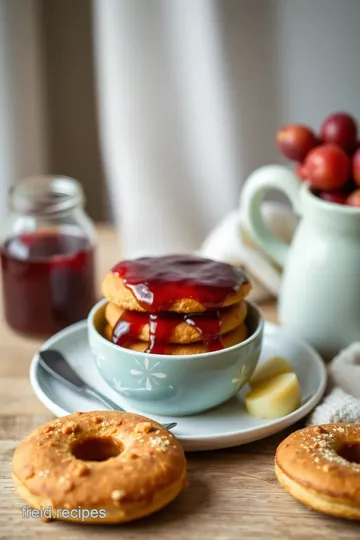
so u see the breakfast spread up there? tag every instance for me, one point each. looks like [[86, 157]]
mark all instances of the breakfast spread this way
[[329, 161], [176, 304], [123, 465], [320, 467]]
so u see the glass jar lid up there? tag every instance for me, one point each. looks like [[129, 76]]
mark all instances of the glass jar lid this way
[[45, 195]]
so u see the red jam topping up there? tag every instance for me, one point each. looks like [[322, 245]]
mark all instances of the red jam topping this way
[[48, 281], [162, 325], [158, 282]]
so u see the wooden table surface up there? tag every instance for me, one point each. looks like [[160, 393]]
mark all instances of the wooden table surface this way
[[233, 494]]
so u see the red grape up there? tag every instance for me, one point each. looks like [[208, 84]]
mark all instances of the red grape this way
[[337, 196], [340, 129], [328, 167], [354, 198], [356, 167], [295, 141]]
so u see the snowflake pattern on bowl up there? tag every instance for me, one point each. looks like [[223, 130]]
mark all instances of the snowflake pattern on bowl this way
[[146, 374]]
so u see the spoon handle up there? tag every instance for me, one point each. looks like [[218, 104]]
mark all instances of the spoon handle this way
[[106, 401], [56, 365]]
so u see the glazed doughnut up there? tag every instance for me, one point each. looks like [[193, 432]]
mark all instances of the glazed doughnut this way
[[320, 467], [228, 340], [122, 463], [183, 332], [114, 289]]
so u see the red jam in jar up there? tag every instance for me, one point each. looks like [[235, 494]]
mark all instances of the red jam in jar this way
[[48, 281], [48, 276]]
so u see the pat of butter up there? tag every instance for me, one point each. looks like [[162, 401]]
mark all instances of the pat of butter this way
[[274, 397], [272, 367]]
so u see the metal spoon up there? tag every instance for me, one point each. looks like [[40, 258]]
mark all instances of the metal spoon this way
[[55, 363]]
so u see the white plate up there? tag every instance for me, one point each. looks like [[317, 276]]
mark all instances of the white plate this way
[[225, 426]]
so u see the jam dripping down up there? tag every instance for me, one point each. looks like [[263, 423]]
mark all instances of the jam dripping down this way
[[158, 282], [162, 325]]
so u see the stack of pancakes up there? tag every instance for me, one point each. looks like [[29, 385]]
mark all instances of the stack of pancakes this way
[[185, 336]]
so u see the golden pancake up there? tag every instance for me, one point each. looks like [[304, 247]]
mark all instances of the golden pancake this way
[[183, 333], [114, 289], [234, 337]]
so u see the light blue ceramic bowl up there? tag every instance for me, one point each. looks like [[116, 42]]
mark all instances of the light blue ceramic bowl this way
[[175, 385]]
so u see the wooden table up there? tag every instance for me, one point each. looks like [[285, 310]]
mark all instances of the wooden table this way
[[233, 494]]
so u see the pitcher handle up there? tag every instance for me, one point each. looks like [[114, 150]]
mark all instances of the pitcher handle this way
[[253, 193]]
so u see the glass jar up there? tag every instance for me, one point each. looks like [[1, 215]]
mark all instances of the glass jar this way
[[47, 256]]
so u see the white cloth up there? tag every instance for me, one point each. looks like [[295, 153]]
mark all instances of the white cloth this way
[[165, 121], [229, 242], [342, 403]]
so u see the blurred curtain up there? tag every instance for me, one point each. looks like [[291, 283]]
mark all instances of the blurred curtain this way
[[22, 112], [166, 123]]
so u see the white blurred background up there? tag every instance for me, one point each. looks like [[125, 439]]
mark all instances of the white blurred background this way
[[161, 108]]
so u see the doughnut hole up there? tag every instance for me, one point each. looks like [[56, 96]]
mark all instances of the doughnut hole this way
[[350, 452], [96, 448]]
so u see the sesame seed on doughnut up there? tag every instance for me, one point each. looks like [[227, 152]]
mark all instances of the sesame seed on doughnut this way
[[122, 463]]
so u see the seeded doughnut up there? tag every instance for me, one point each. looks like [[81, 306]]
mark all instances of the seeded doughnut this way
[[114, 289], [120, 463], [234, 337], [320, 467], [183, 332]]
